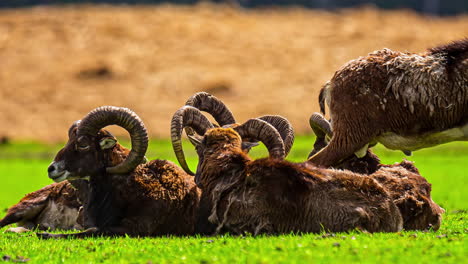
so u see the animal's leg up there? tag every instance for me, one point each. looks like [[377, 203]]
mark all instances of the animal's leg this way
[[87, 233], [90, 232], [23, 211], [17, 230], [341, 147], [10, 218]]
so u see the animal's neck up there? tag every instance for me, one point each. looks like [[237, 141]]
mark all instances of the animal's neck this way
[[101, 206], [116, 155], [220, 167]]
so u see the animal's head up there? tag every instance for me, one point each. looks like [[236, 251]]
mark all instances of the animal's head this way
[[418, 209], [421, 214], [367, 164], [224, 118], [92, 151], [215, 141]]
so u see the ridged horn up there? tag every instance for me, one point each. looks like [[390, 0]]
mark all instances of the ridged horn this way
[[209, 103], [284, 128], [204, 101], [111, 115], [320, 125], [261, 130], [187, 116]]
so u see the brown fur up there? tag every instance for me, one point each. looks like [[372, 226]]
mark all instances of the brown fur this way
[[156, 198], [409, 190], [55, 206], [276, 196], [411, 95], [453, 53], [412, 194]]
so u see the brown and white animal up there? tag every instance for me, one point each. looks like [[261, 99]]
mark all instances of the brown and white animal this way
[[126, 195], [272, 195], [56, 206], [404, 101], [409, 190]]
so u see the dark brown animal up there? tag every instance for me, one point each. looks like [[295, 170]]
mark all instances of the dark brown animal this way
[[55, 206], [412, 194], [126, 195], [275, 196], [409, 190], [223, 116], [206, 102], [404, 101]]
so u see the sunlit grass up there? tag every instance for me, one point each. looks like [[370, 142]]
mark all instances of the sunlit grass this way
[[24, 169]]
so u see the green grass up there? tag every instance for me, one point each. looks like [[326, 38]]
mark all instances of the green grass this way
[[23, 167]]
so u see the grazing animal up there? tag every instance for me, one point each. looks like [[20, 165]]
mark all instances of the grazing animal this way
[[274, 196], [409, 190], [126, 195], [404, 101], [55, 206]]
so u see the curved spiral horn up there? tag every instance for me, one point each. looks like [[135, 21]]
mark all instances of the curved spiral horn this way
[[260, 130], [209, 103], [284, 128], [111, 115], [204, 101], [187, 116], [322, 129], [320, 125]]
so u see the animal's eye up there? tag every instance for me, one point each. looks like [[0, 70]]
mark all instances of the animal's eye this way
[[82, 144], [82, 147]]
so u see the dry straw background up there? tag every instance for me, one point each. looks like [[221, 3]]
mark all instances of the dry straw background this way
[[57, 63]]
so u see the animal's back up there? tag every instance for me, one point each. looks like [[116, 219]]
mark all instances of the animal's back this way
[[282, 197], [396, 90], [162, 199]]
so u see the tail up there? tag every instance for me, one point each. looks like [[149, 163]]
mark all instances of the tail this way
[[323, 97]]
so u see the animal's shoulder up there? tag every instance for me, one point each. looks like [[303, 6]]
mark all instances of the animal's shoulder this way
[[161, 178]]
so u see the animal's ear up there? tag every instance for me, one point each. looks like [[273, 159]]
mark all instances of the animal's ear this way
[[195, 140], [107, 142], [246, 145]]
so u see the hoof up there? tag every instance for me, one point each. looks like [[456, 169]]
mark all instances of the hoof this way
[[17, 230]]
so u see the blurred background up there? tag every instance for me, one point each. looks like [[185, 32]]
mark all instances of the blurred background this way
[[59, 60]]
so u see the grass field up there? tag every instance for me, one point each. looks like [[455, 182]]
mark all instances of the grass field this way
[[23, 169]]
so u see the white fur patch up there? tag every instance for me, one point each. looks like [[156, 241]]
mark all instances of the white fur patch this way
[[58, 216], [361, 152], [17, 230], [394, 141]]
